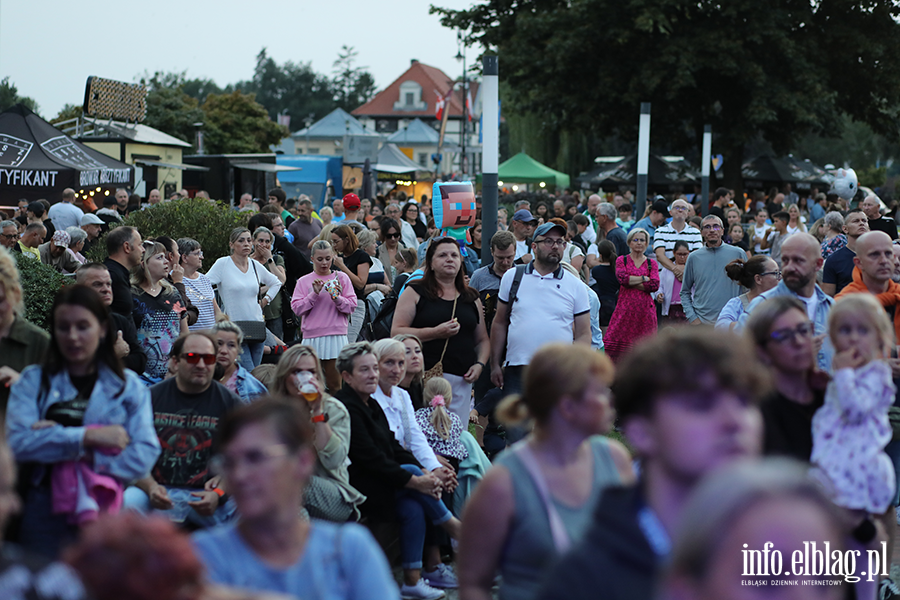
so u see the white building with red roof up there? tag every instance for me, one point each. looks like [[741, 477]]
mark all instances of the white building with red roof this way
[[415, 95]]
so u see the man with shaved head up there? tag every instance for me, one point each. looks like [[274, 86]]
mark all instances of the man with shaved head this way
[[801, 259], [65, 214], [838, 270], [873, 273]]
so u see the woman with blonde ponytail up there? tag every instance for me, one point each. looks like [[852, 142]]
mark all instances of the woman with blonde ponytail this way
[[537, 500]]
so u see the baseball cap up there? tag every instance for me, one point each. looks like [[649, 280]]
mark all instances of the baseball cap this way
[[524, 216], [61, 239], [547, 228], [661, 207], [91, 219], [351, 202]]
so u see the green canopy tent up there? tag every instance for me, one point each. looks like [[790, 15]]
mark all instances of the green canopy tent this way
[[521, 168]]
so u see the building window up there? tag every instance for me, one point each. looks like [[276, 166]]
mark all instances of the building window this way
[[423, 159], [313, 150], [410, 97]]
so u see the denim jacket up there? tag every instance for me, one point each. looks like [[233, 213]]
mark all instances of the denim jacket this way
[[823, 308], [111, 403], [249, 388]]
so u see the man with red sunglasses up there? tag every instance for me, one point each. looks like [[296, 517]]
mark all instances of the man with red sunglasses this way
[[187, 411]]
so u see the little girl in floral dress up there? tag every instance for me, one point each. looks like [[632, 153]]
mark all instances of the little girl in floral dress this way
[[851, 430], [441, 427]]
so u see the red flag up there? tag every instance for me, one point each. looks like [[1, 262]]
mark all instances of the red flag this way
[[442, 103], [469, 103]]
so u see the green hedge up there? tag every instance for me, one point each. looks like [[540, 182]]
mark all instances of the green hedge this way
[[207, 222], [40, 283]]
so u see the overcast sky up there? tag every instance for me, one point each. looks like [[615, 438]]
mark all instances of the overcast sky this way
[[48, 48]]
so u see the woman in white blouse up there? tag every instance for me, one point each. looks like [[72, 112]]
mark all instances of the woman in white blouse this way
[[239, 279]]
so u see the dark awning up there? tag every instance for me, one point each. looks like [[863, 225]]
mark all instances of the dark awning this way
[[179, 166]]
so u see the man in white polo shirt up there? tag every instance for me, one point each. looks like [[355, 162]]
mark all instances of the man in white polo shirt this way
[[550, 305]]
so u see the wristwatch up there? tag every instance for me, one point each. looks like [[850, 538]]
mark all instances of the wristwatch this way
[[323, 418]]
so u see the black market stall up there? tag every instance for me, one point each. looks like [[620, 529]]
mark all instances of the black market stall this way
[[38, 161]]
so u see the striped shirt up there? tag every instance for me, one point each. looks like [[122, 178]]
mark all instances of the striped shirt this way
[[200, 292], [666, 236]]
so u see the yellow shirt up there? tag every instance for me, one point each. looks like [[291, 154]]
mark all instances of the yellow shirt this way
[[32, 252]]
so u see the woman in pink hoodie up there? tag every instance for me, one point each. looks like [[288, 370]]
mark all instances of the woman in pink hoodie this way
[[324, 300]]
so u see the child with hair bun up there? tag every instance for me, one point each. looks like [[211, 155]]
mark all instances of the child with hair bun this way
[[441, 427]]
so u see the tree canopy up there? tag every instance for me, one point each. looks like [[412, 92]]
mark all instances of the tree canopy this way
[[9, 96], [237, 123], [774, 69]]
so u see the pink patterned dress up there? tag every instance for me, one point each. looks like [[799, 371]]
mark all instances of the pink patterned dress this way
[[635, 314]]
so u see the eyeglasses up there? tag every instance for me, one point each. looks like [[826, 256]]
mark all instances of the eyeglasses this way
[[9, 236], [712, 227], [197, 253], [781, 336], [777, 274], [222, 464], [394, 235], [550, 243], [192, 358]]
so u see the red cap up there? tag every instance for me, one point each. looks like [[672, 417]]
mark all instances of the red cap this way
[[351, 202]]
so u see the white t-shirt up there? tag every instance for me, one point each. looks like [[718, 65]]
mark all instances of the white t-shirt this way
[[544, 311], [521, 249], [572, 251], [811, 303], [760, 232], [65, 214]]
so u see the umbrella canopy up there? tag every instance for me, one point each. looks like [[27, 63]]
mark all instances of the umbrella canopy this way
[[661, 174], [392, 160], [765, 170], [521, 168], [37, 160]]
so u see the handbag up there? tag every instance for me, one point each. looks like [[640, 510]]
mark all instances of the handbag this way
[[438, 369], [254, 331]]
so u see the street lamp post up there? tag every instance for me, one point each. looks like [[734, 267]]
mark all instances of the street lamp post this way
[[461, 55]]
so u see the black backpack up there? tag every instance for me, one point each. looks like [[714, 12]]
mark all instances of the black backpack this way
[[381, 324]]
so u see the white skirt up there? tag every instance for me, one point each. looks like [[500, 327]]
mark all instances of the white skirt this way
[[328, 346]]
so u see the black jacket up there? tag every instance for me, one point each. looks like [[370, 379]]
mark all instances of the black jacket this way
[[121, 288], [375, 456], [614, 560], [137, 358]]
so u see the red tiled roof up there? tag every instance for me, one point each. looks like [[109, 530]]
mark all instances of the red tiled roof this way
[[431, 79]]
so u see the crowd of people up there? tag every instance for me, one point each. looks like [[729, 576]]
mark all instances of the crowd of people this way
[[351, 404]]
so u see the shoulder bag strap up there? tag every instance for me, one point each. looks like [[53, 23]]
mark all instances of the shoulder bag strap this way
[[447, 341], [557, 529]]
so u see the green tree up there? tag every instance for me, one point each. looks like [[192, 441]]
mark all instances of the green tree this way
[[353, 86], [9, 96], [291, 89], [770, 68], [169, 108], [69, 111], [236, 123]]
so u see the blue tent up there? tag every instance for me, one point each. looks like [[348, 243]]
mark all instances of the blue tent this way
[[316, 173]]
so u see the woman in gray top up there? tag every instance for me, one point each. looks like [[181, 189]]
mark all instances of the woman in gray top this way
[[514, 522], [328, 493]]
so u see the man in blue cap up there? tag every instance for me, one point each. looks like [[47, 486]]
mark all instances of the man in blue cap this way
[[523, 224]]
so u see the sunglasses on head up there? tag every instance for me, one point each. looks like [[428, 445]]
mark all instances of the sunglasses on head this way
[[193, 358]]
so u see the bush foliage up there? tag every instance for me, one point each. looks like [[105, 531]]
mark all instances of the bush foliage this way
[[40, 283], [207, 222]]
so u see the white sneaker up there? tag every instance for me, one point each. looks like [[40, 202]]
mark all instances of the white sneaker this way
[[442, 577], [420, 591]]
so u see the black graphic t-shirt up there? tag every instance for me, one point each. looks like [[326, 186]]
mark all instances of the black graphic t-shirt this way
[[186, 425]]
